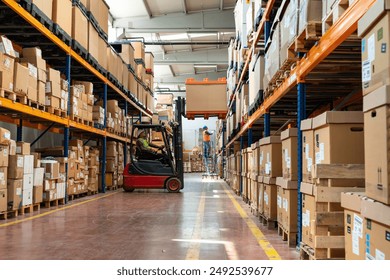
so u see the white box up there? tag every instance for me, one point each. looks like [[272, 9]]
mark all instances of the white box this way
[[27, 181], [60, 190], [38, 176], [27, 196], [28, 167]]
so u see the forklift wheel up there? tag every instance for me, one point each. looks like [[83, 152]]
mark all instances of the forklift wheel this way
[[173, 184], [128, 189]]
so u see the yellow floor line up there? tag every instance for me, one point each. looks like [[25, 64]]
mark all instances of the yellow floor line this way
[[55, 210], [194, 249], [261, 239]]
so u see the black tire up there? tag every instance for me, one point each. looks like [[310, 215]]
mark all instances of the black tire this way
[[126, 189], [173, 184]]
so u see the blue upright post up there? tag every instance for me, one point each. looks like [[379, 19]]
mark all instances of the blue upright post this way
[[104, 144], [241, 149], [66, 129], [267, 125], [127, 128], [301, 116], [267, 31], [250, 136], [19, 131]]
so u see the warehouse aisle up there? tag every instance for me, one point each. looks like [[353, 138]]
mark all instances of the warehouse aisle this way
[[204, 221]]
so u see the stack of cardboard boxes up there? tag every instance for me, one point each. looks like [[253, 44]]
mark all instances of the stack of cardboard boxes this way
[[82, 100], [54, 180], [93, 169], [112, 157], [120, 165], [246, 174], [331, 165], [270, 167], [33, 57], [164, 107], [5, 138], [77, 168], [98, 115], [116, 119], [366, 214], [287, 198], [7, 56]]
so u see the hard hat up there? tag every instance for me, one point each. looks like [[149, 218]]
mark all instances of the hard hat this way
[[139, 132], [205, 127]]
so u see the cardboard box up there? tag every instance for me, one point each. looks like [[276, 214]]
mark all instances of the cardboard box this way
[[21, 74], [165, 99], [22, 148], [270, 201], [27, 197], [3, 177], [49, 184], [93, 6], [149, 61], [28, 165], [5, 136], [52, 169], [49, 195], [38, 176], [37, 194], [41, 93], [127, 53], [3, 200], [52, 90], [307, 150], [308, 216], [103, 15], [33, 52], [271, 156], [376, 121], [8, 47], [139, 50], [102, 57], [16, 167], [93, 38], [79, 27], [4, 153], [12, 147], [32, 90], [373, 28], [60, 188], [15, 194], [84, 87], [53, 101], [45, 6], [28, 181], [7, 64], [377, 238], [289, 139], [331, 129], [354, 226], [62, 14]]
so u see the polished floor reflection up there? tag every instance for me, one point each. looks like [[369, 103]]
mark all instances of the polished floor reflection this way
[[201, 222]]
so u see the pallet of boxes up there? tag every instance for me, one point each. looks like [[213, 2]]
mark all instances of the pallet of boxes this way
[[253, 182], [16, 177], [245, 174], [186, 161], [287, 194], [367, 214], [82, 100], [114, 166], [196, 160], [270, 165], [333, 162], [164, 108]]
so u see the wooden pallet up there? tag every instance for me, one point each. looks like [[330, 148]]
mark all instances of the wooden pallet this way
[[112, 188], [307, 38], [15, 96], [337, 11], [36, 105], [53, 203], [308, 253], [290, 237], [21, 211], [76, 118], [269, 223], [55, 111], [92, 192], [78, 195], [254, 210], [86, 122]]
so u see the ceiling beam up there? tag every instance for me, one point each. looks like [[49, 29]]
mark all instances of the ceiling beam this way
[[213, 56], [147, 8], [173, 72], [181, 79], [214, 21], [184, 6]]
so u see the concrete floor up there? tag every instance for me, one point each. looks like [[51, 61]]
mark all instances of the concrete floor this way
[[206, 221]]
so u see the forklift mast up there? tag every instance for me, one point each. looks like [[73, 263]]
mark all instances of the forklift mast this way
[[178, 138]]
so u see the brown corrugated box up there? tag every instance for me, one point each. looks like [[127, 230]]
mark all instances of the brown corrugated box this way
[[80, 27], [4, 154], [93, 41], [62, 14], [376, 120], [15, 194], [3, 177], [139, 50], [21, 75], [3, 200], [6, 72], [290, 153]]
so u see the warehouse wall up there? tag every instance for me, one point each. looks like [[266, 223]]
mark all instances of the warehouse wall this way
[[29, 135], [191, 131]]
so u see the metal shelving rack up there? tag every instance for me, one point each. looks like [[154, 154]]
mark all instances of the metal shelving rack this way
[[296, 82], [65, 59]]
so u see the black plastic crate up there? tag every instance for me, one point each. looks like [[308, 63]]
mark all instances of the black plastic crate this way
[[60, 33], [41, 17]]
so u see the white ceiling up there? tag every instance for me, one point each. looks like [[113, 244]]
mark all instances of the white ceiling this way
[[180, 28]]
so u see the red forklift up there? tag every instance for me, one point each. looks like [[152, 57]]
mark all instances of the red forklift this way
[[166, 170]]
